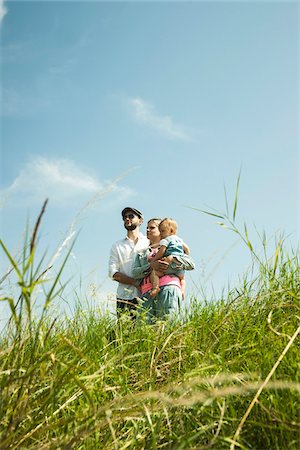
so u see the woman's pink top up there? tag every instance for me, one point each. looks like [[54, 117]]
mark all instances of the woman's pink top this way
[[146, 285]]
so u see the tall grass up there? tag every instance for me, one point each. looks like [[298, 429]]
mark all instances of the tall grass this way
[[225, 376]]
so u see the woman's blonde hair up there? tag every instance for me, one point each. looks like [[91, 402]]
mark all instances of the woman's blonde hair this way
[[156, 220]]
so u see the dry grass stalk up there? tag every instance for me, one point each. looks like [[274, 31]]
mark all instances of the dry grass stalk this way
[[272, 371]]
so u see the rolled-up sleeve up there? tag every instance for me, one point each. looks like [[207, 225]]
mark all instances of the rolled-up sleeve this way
[[113, 265], [185, 262], [141, 266]]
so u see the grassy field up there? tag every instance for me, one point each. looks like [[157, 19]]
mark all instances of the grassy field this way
[[226, 376]]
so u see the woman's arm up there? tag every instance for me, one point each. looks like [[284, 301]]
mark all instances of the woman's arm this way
[[183, 262], [141, 266]]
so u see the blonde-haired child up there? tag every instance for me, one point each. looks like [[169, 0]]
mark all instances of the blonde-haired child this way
[[171, 246]]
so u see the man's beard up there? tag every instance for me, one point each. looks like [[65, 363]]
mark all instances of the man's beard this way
[[130, 227]]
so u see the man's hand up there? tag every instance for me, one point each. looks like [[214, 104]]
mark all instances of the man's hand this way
[[124, 279]]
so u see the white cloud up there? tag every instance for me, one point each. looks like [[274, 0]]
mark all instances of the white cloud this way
[[145, 114], [60, 180], [3, 11]]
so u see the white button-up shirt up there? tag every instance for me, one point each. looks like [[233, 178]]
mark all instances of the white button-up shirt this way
[[121, 259]]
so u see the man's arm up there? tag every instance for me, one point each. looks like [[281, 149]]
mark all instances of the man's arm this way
[[114, 266], [114, 263], [124, 279]]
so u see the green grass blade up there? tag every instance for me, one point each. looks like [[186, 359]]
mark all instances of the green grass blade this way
[[11, 259], [236, 196]]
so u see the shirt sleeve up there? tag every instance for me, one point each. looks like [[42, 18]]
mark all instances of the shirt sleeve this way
[[183, 262], [141, 266], [164, 242], [114, 263]]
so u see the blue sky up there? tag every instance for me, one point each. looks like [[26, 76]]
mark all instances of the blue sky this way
[[156, 105]]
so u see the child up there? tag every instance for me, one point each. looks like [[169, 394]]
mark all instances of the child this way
[[170, 247]]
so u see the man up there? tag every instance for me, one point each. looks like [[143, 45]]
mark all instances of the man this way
[[122, 255]]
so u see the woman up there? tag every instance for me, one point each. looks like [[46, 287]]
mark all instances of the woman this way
[[167, 302]]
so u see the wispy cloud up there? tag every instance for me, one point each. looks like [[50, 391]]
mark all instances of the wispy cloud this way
[[59, 179], [3, 11], [145, 114]]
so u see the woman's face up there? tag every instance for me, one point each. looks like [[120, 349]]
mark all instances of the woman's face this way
[[153, 233]]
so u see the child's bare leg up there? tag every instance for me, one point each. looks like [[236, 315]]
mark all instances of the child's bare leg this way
[[182, 283], [154, 278]]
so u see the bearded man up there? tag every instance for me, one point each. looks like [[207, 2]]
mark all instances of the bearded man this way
[[121, 259]]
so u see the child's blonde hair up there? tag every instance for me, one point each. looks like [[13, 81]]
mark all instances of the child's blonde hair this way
[[170, 223]]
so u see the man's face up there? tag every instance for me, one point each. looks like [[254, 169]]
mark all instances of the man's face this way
[[131, 220]]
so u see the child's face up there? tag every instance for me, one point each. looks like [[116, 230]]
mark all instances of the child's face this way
[[165, 230]]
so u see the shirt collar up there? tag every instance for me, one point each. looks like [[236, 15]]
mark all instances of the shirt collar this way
[[139, 237]]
